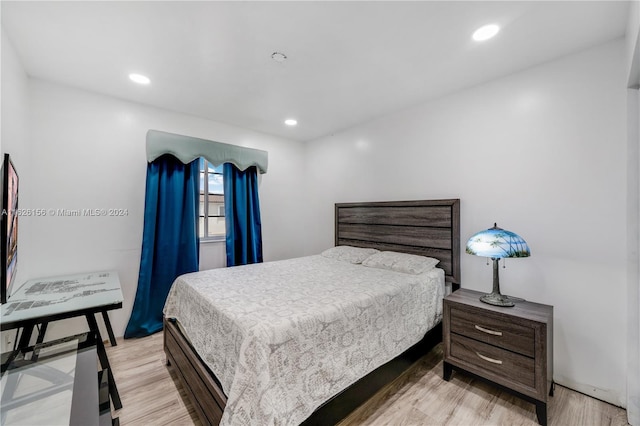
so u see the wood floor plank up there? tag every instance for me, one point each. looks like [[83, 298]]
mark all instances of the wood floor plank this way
[[152, 396]]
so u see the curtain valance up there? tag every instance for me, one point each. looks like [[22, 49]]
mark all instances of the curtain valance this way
[[187, 149]]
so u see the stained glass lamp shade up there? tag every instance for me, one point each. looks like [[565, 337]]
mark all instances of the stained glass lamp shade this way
[[497, 243]]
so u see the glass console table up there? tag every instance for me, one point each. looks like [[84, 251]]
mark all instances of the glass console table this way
[[40, 301], [55, 383]]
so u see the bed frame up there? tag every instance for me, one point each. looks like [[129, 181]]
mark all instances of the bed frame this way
[[428, 227]]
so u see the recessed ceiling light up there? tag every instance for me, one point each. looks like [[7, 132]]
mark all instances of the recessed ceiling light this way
[[139, 78], [278, 56], [291, 122], [486, 32]]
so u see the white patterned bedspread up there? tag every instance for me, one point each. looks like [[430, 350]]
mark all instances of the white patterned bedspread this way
[[284, 337]]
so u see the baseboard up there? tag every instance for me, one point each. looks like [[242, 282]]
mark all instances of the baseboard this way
[[607, 395]]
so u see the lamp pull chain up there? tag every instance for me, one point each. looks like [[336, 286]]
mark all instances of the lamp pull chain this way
[[504, 263]]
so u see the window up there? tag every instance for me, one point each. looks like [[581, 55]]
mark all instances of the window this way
[[211, 221]]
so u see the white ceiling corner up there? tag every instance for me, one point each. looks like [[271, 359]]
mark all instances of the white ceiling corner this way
[[347, 62]]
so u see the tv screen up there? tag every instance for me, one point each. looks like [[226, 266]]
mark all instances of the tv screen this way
[[8, 227]]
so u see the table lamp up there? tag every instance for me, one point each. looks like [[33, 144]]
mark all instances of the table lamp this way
[[497, 243]]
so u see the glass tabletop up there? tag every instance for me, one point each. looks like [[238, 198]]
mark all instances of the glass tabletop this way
[[47, 297]]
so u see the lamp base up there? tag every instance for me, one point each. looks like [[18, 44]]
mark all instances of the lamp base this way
[[497, 299]]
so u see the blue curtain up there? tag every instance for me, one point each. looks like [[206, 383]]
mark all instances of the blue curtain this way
[[242, 215], [169, 239]]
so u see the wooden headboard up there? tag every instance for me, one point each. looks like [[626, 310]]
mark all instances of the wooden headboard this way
[[427, 228]]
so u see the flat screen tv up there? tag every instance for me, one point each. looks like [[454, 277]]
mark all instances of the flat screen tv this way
[[8, 227]]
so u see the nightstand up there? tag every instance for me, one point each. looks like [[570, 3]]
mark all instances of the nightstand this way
[[509, 347]]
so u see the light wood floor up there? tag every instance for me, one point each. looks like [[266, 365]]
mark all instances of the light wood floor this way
[[150, 396]]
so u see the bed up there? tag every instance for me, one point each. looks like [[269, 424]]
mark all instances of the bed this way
[[320, 347]]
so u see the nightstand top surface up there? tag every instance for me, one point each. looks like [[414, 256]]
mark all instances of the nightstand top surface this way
[[524, 309]]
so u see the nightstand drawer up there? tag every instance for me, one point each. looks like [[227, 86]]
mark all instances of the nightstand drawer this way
[[494, 331], [511, 366]]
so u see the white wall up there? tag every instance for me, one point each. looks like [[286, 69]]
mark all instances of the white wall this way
[[14, 118], [632, 55], [632, 38], [633, 250], [14, 136], [542, 153], [88, 151]]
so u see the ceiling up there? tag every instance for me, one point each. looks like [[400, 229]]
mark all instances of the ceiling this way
[[347, 62]]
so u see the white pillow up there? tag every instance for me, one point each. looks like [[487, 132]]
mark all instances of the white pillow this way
[[349, 254], [401, 262]]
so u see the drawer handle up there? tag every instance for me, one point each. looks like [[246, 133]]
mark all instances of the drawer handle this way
[[486, 330], [491, 360]]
